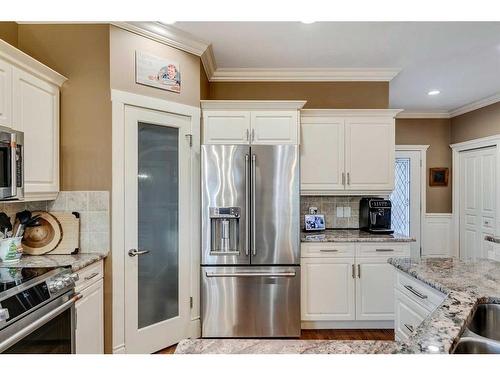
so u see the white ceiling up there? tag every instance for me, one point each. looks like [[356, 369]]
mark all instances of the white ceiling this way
[[461, 59]]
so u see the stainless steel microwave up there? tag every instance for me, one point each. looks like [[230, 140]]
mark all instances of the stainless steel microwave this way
[[11, 164]]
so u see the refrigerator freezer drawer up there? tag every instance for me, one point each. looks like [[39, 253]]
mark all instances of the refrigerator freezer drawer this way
[[251, 301]]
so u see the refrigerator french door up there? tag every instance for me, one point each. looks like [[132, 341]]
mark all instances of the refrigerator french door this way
[[250, 241]]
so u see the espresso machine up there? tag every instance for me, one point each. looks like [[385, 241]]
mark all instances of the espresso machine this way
[[375, 215]]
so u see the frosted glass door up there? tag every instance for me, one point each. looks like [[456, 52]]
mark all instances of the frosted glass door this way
[[157, 229]]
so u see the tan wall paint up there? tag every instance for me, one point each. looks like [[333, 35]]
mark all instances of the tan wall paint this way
[[436, 133], [81, 53], [8, 32], [318, 94], [204, 84], [480, 123], [123, 45]]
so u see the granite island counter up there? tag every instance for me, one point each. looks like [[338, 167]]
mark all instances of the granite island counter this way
[[465, 284], [351, 235]]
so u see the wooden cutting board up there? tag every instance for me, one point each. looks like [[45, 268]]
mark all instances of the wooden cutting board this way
[[59, 233]]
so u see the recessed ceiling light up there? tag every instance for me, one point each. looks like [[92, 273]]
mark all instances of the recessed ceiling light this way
[[308, 22], [433, 92]]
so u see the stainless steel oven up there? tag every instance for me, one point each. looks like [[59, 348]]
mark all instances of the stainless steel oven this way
[[37, 311], [11, 164]]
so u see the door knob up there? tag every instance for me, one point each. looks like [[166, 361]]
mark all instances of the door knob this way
[[134, 252]]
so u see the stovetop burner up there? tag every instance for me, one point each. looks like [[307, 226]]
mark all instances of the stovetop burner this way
[[10, 277]]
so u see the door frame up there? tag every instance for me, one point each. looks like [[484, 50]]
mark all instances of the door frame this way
[[120, 99], [455, 184], [423, 184]]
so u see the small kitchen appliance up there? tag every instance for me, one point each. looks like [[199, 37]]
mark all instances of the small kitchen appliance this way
[[375, 215], [11, 164]]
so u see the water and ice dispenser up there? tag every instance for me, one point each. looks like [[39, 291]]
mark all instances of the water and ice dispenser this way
[[224, 223]]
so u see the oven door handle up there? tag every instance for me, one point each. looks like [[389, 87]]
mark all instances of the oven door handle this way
[[19, 335]]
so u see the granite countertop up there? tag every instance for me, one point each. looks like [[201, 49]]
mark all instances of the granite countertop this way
[[76, 262], [351, 235], [465, 284]]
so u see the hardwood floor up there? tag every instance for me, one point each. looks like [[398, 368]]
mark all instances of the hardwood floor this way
[[329, 334]]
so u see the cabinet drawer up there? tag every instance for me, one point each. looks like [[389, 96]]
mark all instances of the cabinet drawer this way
[[383, 249], [327, 249], [409, 315], [417, 291], [89, 275]]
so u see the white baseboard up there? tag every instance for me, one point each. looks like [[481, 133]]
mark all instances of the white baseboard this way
[[438, 235], [351, 324]]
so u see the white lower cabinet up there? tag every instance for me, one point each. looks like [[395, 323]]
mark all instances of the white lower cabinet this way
[[327, 289], [342, 291], [89, 333]]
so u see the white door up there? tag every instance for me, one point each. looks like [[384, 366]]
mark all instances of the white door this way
[[477, 201], [369, 153], [374, 289], [322, 154], [327, 289], [406, 197], [157, 229], [274, 127], [226, 127]]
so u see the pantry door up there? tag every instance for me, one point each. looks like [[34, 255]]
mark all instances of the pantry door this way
[[157, 206]]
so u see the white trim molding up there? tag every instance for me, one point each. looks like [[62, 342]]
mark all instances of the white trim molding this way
[[492, 141], [303, 75], [475, 105], [252, 104], [423, 115], [349, 112], [18, 58]]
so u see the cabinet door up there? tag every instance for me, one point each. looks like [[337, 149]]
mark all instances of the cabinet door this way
[[374, 289], [36, 113], [226, 127], [5, 94], [274, 127], [90, 320], [370, 151], [408, 316], [327, 289], [322, 155]]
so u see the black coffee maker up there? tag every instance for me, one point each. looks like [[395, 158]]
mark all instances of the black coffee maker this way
[[375, 215]]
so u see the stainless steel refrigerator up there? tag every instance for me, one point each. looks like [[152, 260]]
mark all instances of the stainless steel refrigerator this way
[[250, 274]]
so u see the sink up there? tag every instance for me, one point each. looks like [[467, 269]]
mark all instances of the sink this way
[[486, 321], [469, 345]]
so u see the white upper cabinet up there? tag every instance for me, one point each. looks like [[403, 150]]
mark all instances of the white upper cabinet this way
[[251, 122], [5, 94], [347, 152], [29, 102]]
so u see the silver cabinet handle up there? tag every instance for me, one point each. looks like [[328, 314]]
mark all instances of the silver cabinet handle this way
[[359, 271], [247, 206], [91, 276], [328, 250], [416, 292], [343, 178], [248, 135], [25, 331], [135, 252], [384, 250], [348, 178], [251, 274], [353, 269], [409, 327], [253, 135], [254, 161]]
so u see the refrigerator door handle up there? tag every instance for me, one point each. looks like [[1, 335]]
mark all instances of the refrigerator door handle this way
[[247, 207], [254, 159], [251, 274]]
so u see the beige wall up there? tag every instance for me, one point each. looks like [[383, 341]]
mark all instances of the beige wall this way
[[476, 124], [204, 84], [81, 53], [123, 45], [8, 32], [318, 94], [436, 134]]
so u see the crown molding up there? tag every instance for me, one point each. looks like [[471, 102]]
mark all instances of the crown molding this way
[[252, 104], [350, 112], [475, 105], [168, 35], [208, 61], [422, 115], [303, 75]]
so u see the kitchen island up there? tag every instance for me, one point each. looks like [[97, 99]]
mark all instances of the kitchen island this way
[[465, 284]]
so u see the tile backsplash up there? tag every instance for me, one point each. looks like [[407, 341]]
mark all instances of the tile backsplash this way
[[327, 205], [93, 207]]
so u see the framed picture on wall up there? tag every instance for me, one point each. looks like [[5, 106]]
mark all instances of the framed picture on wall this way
[[157, 72], [438, 176]]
